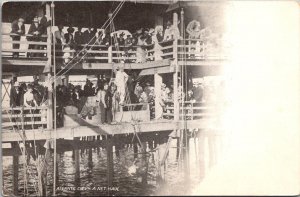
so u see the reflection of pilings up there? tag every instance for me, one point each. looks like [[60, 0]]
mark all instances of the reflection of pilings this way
[[77, 167], [90, 158], [15, 170], [135, 150], [186, 153], [201, 143], [110, 164]]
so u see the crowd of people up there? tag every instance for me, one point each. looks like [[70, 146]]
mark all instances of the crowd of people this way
[[110, 95], [93, 39]]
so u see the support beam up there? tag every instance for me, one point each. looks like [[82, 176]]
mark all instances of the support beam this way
[[50, 103], [157, 92], [15, 170], [48, 65]]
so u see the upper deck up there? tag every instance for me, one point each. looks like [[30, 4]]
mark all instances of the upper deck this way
[[191, 52]]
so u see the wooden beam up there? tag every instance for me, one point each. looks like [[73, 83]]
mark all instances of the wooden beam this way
[[124, 128], [157, 91]]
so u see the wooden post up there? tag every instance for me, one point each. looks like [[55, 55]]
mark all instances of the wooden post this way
[[110, 162], [49, 35], [110, 54], [15, 170], [50, 103], [157, 91], [181, 22]]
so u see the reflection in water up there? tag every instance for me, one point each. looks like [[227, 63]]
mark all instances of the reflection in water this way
[[134, 173]]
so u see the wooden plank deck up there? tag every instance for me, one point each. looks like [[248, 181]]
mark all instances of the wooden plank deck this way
[[94, 130]]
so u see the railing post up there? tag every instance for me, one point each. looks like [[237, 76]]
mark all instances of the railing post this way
[[50, 104], [157, 92], [175, 80], [22, 118], [48, 66], [110, 54]]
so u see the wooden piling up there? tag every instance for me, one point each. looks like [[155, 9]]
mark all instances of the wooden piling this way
[[15, 170]]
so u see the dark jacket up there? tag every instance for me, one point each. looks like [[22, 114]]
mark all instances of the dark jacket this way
[[44, 23], [15, 28], [33, 28], [78, 38], [14, 97]]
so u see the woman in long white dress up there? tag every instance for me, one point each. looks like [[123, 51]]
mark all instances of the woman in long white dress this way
[[140, 52], [157, 48]]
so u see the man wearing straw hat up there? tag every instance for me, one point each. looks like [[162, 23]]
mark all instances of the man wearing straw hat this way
[[17, 29]]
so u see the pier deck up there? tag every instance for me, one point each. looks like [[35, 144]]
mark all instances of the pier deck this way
[[93, 130]]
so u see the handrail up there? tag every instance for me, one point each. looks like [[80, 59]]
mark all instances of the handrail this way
[[27, 35], [23, 108]]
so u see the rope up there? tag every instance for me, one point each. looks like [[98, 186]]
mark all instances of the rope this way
[[89, 41], [104, 25], [55, 111], [24, 152]]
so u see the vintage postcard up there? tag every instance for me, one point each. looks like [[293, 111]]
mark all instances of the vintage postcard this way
[[150, 97]]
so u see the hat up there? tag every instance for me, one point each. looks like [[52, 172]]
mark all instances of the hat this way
[[70, 29], [35, 19], [151, 31], [122, 34], [16, 83], [21, 19], [60, 26]]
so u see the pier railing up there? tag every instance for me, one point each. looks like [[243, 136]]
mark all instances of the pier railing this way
[[24, 118], [189, 110], [188, 50]]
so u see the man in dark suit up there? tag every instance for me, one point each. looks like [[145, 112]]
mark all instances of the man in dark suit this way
[[18, 29], [34, 35], [15, 95], [78, 38], [69, 37]]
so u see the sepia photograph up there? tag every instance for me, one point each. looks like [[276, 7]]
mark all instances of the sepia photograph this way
[[150, 98]]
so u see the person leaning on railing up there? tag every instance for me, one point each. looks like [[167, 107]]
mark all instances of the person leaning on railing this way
[[34, 36], [18, 29]]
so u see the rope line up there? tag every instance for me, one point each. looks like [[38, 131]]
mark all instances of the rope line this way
[[104, 25]]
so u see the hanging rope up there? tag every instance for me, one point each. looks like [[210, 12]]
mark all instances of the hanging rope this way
[[86, 46], [105, 26]]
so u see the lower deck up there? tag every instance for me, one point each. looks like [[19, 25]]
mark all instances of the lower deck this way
[[86, 129]]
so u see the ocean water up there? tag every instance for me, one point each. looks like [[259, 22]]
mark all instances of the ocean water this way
[[129, 171]]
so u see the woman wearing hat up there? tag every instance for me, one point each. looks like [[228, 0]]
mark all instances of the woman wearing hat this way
[[18, 29], [29, 97]]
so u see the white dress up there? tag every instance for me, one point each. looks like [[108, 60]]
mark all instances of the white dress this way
[[157, 49], [140, 53]]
